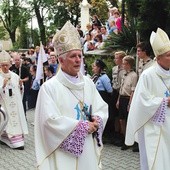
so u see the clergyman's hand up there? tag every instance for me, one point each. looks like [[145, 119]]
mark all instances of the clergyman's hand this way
[[93, 126], [5, 82]]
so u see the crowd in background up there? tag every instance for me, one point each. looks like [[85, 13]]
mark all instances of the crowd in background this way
[[25, 65], [97, 32], [117, 92]]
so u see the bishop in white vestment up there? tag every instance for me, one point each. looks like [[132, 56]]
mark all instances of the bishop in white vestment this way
[[70, 114], [149, 116], [11, 101]]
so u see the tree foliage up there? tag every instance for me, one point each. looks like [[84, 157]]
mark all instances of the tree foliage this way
[[100, 8], [22, 40], [150, 14], [125, 40], [144, 16], [41, 9], [50, 14], [12, 14], [2, 32], [114, 3]]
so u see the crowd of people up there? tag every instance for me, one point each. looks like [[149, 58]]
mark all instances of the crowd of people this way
[[129, 109], [118, 93], [96, 32], [19, 90]]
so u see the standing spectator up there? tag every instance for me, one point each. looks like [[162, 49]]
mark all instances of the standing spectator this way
[[11, 101], [31, 55], [143, 52], [34, 88], [37, 50], [96, 21], [101, 79], [111, 16], [111, 13], [145, 61], [95, 31], [149, 115], [81, 37], [49, 43], [112, 27], [50, 49], [118, 21], [49, 72], [53, 61], [104, 33], [90, 46], [81, 34], [99, 41], [117, 75], [104, 87], [63, 130], [126, 91], [88, 38], [23, 73], [88, 28], [28, 63]]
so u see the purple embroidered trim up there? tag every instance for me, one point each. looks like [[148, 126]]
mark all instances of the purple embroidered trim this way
[[99, 132], [75, 141], [159, 116]]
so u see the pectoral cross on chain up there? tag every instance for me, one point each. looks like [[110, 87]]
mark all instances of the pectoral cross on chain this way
[[167, 93]]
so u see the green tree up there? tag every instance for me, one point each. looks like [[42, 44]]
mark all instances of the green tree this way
[[24, 31], [69, 10], [57, 12], [12, 14], [114, 3], [59, 17], [22, 40], [2, 32], [97, 7], [36, 37], [41, 9], [149, 14]]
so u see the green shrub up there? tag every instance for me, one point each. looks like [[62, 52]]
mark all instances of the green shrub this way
[[125, 40]]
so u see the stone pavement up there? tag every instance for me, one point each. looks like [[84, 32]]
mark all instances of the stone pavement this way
[[112, 157]]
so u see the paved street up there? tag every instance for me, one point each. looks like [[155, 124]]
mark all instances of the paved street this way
[[112, 157]]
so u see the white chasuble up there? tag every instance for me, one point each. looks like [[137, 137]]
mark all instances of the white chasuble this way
[[57, 114], [12, 104], [154, 142]]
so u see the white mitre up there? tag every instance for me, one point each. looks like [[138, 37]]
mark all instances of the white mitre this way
[[4, 57], [160, 42], [66, 39]]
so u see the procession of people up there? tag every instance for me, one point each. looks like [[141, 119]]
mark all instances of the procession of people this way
[[77, 114]]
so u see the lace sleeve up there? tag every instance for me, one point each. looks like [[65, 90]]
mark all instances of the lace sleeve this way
[[99, 132], [75, 141], [159, 116]]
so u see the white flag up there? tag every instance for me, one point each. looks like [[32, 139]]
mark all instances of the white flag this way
[[42, 57], [82, 69]]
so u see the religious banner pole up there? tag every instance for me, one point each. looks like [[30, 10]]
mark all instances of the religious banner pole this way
[[137, 41]]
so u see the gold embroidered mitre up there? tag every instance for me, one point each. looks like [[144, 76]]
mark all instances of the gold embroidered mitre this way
[[160, 42], [66, 39], [4, 57]]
